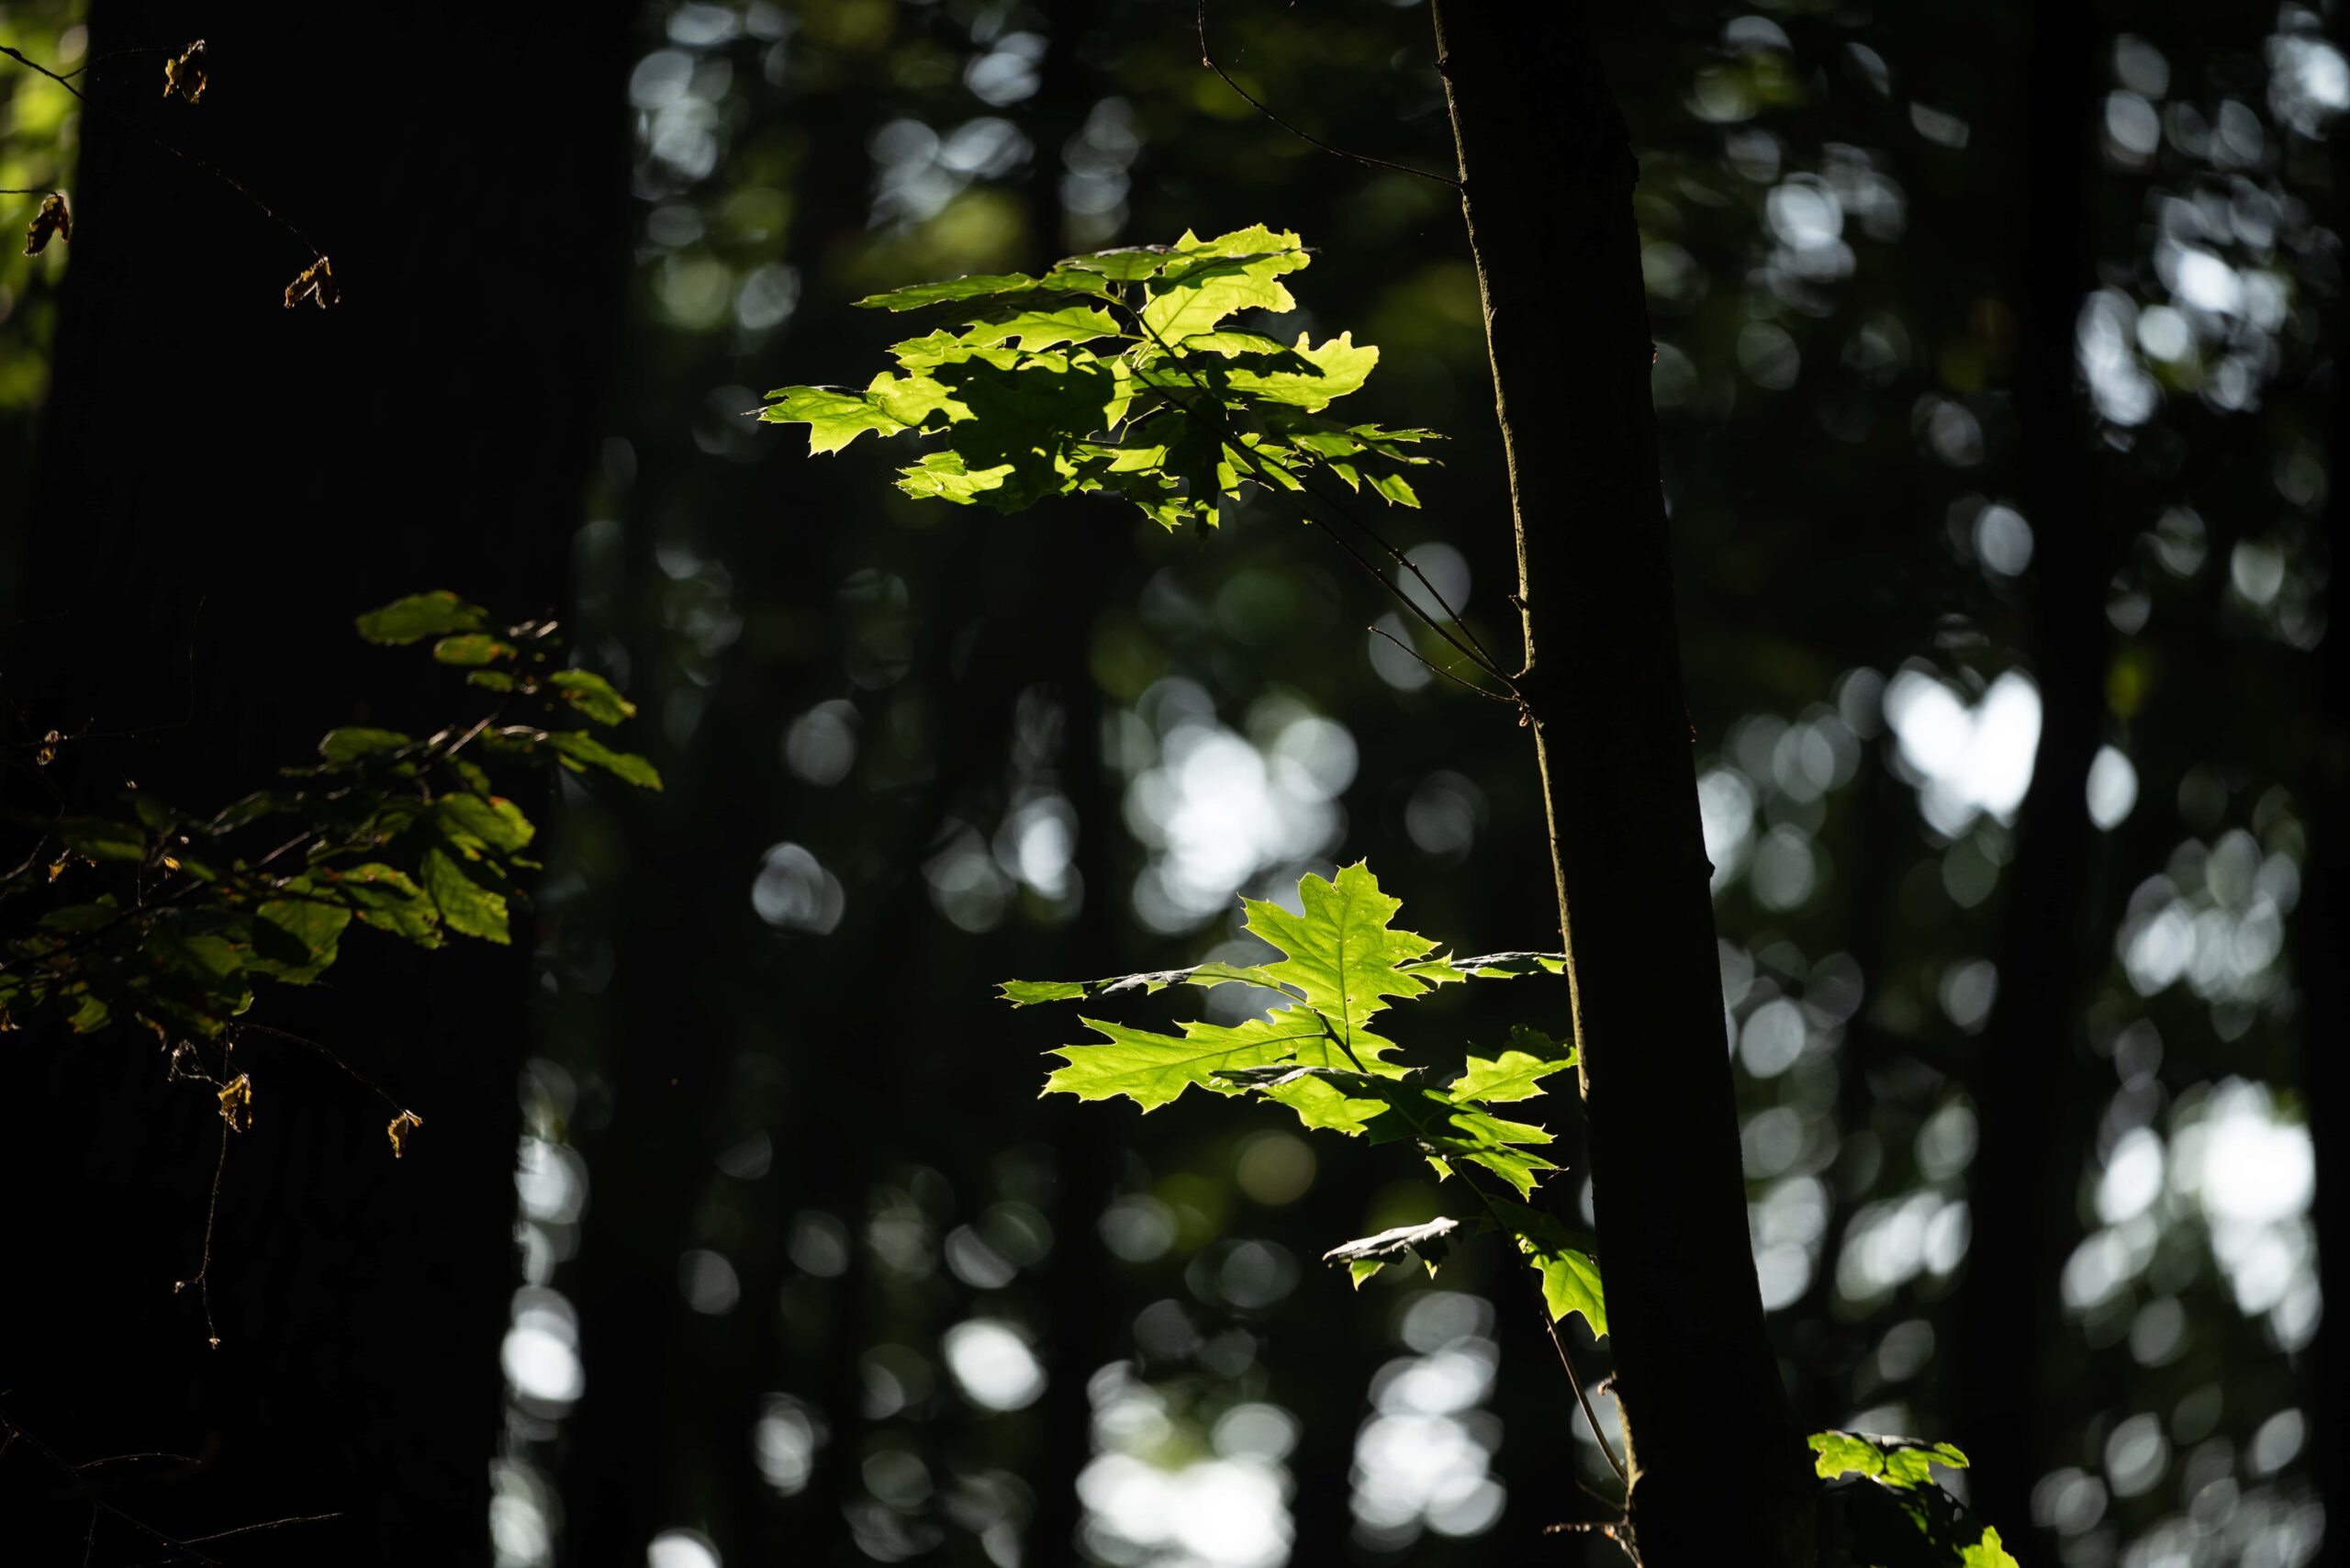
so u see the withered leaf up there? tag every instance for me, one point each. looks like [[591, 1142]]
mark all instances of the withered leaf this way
[[402, 1125], [183, 76], [55, 219], [317, 285], [237, 1102]]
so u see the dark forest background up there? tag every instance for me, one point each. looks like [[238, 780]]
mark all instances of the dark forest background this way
[[1995, 366]]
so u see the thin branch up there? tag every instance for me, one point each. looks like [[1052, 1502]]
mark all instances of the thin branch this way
[[201, 1279], [72, 1474], [1439, 669], [1606, 1452], [174, 149], [1208, 60], [267, 1523], [1335, 502], [1232, 443], [135, 1457], [237, 1030]]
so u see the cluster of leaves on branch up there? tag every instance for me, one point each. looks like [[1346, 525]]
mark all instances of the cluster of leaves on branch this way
[[1115, 373], [1174, 412], [1318, 1054], [144, 912], [1904, 1520]]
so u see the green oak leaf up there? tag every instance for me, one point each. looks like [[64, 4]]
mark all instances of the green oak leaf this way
[[834, 416], [1571, 1284], [1340, 957], [1897, 1462], [1153, 1069], [1516, 1074], [1205, 281], [1039, 330], [983, 286]]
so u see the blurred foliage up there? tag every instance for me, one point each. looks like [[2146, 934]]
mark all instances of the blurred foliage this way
[[138, 910]]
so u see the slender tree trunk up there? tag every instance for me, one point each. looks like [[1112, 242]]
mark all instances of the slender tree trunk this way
[[2325, 938], [2027, 1081], [224, 484], [1719, 1471]]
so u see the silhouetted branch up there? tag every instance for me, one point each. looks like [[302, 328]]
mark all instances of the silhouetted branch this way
[[1208, 60]]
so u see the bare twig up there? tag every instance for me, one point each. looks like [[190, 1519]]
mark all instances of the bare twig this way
[[1208, 60], [71, 1473], [238, 1030], [201, 1279], [1439, 669]]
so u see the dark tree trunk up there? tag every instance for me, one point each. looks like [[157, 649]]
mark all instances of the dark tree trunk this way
[[1720, 1472], [224, 484], [2325, 938], [2028, 1084]]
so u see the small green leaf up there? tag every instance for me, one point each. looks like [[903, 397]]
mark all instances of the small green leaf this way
[[465, 904], [1025, 993], [353, 742], [479, 822], [592, 695], [995, 286], [1897, 1462], [1571, 1284], [421, 615], [581, 751], [472, 648]]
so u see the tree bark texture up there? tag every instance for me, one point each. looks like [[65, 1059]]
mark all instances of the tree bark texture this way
[[224, 484], [2028, 1080], [1719, 1471]]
